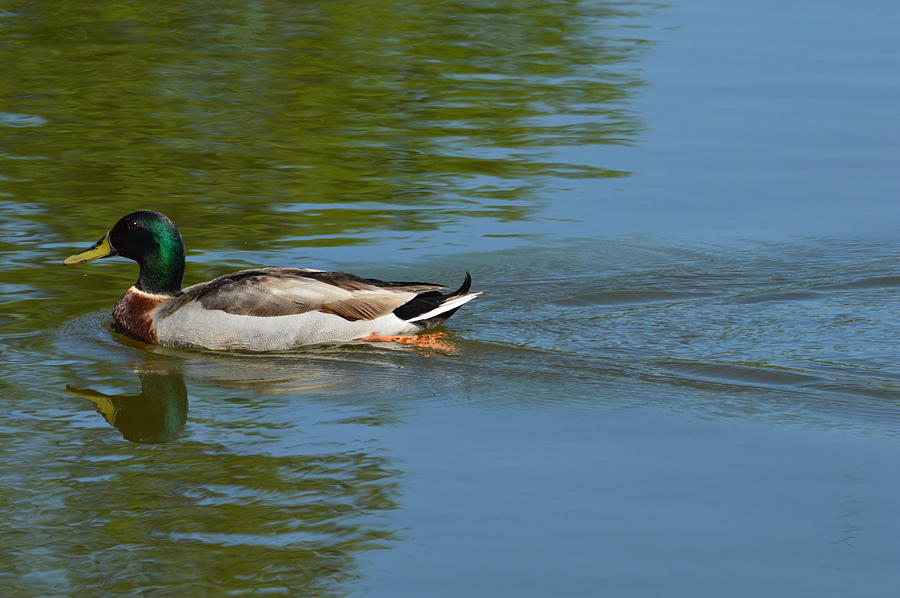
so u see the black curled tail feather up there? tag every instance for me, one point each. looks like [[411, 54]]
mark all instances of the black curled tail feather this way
[[430, 300], [463, 288]]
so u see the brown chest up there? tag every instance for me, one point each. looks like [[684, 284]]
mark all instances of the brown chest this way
[[134, 314]]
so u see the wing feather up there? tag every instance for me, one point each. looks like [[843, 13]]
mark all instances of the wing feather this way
[[269, 292]]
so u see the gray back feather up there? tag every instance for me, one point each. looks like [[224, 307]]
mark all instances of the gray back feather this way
[[268, 292]]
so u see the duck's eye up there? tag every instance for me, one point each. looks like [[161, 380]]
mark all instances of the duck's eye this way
[[132, 225]]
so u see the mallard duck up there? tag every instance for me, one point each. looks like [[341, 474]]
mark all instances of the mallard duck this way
[[263, 309]]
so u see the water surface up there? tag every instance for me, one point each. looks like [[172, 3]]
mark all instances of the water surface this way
[[682, 378]]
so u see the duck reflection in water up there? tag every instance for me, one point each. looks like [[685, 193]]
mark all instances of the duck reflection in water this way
[[155, 415], [159, 412]]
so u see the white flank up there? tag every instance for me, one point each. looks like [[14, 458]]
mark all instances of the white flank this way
[[446, 306], [194, 326]]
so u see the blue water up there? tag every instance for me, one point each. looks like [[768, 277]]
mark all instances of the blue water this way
[[683, 376]]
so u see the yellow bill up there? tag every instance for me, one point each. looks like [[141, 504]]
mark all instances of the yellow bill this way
[[103, 402], [101, 248]]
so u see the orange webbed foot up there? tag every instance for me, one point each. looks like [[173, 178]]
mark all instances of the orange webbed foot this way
[[433, 340]]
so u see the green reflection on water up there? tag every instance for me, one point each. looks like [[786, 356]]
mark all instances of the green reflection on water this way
[[208, 512], [157, 414], [256, 126], [431, 105], [247, 522]]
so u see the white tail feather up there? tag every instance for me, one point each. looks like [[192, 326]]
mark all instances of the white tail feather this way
[[451, 303]]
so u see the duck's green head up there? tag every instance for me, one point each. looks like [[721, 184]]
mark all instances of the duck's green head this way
[[150, 239]]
